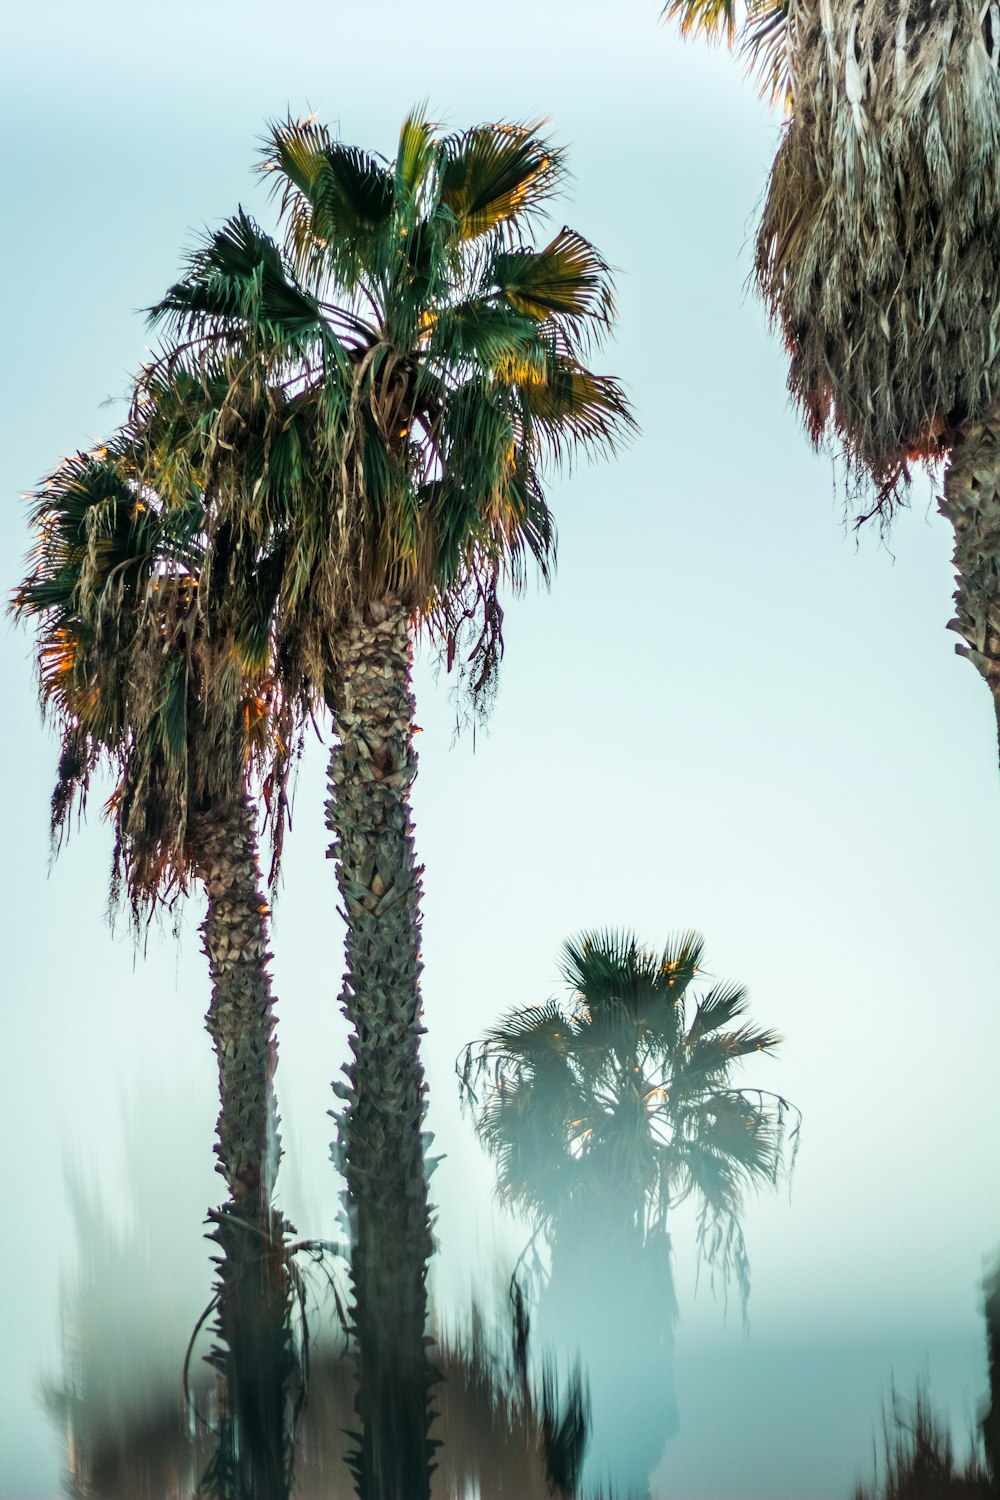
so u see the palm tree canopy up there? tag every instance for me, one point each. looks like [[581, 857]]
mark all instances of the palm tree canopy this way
[[140, 672], [618, 1103], [423, 362], [876, 252]]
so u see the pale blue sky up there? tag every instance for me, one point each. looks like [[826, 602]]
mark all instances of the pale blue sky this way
[[726, 715]]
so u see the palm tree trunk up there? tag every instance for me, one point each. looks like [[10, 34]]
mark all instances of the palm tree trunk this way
[[381, 1144], [254, 1291], [971, 502]]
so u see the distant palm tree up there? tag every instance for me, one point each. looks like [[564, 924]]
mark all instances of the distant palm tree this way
[[424, 361], [132, 637], [876, 254], [602, 1114]]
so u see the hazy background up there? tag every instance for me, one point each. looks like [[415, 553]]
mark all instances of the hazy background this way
[[726, 715]]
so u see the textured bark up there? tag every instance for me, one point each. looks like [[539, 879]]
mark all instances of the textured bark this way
[[381, 1145], [254, 1290], [971, 502]]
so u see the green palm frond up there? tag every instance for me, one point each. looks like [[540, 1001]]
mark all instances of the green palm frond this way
[[416, 158], [334, 199], [477, 334], [573, 410], [719, 1008], [682, 956], [708, 1059], [525, 1036], [597, 965], [237, 284], [567, 281], [494, 174]]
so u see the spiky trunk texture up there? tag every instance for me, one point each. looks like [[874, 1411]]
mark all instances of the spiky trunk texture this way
[[381, 1143], [971, 502], [255, 1357]]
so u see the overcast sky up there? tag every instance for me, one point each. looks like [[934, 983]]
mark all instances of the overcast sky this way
[[727, 714]]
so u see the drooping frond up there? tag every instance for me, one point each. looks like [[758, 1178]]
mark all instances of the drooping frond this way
[[758, 31], [715, 19], [145, 666], [876, 248], [573, 410], [765, 45]]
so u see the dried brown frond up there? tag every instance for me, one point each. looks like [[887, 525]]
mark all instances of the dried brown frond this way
[[877, 250]]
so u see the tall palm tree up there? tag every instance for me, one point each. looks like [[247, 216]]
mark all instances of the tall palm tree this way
[[424, 361], [603, 1113], [132, 636], [876, 255]]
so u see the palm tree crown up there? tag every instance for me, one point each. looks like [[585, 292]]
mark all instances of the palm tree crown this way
[[618, 1104], [875, 252], [424, 362], [142, 673]]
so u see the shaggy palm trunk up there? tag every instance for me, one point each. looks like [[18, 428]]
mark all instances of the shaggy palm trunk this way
[[971, 502], [381, 1143], [254, 1292]]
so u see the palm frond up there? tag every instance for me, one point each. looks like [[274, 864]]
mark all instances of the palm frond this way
[[764, 44], [719, 1008], [493, 174], [714, 19], [416, 158], [567, 281], [574, 409], [237, 284], [334, 199]]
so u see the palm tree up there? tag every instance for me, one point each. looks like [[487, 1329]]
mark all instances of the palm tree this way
[[132, 636], [876, 255], [603, 1113], [423, 362]]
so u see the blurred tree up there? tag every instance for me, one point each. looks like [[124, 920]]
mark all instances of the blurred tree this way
[[602, 1113]]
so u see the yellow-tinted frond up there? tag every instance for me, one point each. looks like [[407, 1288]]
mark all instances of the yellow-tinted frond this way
[[495, 173]]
